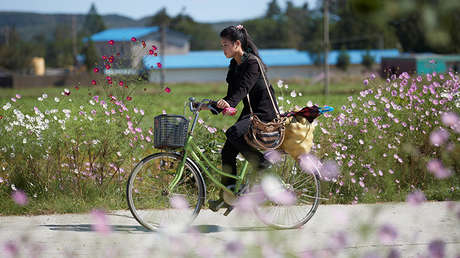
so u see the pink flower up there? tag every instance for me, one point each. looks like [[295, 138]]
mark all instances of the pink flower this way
[[11, 249], [229, 111], [439, 136], [439, 171], [416, 198], [309, 163], [100, 222], [247, 202], [167, 90], [330, 170], [111, 42], [18, 96], [387, 234], [450, 119], [276, 192], [178, 202], [133, 39], [366, 82], [272, 156], [19, 197], [437, 249]]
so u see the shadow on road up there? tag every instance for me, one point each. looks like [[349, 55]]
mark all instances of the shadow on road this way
[[130, 228], [87, 228]]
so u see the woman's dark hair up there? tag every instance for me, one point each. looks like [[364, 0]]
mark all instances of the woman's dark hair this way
[[234, 33]]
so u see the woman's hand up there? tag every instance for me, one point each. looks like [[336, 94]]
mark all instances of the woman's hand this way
[[222, 104]]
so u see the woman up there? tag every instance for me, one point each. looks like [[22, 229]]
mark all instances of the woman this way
[[244, 77]]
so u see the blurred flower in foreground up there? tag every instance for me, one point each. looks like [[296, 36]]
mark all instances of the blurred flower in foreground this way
[[387, 234], [436, 249], [439, 136], [19, 197], [275, 191], [416, 197], [100, 222], [309, 163], [439, 171], [330, 170], [178, 202], [11, 250], [272, 156]]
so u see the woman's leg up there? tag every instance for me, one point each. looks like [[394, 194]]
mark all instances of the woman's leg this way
[[235, 137], [229, 154]]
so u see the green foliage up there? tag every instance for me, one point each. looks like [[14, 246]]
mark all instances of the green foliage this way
[[15, 54], [368, 60], [90, 53], [93, 22], [273, 10], [343, 60], [160, 18]]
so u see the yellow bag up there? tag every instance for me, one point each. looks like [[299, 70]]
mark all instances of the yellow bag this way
[[298, 138]]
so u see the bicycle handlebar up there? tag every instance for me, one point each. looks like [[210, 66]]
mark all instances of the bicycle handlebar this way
[[195, 106]]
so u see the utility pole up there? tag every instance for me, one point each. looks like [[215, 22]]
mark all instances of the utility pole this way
[[326, 46], [162, 53], [74, 41]]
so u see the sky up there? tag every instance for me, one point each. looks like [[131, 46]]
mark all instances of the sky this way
[[199, 10]]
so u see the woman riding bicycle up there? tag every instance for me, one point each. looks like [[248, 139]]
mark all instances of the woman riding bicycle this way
[[244, 77]]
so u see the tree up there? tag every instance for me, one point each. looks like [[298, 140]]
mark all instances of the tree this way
[[202, 35], [343, 60], [93, 22], [90, 55], [15, 54], [368, 60], [160, 18], [273, 11]]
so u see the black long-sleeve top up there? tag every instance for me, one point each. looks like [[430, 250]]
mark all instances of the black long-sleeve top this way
[[247, 77]]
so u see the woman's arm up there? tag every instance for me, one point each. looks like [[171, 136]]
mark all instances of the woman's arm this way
[[238, 92]]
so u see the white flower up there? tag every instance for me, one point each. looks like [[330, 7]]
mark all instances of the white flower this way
[[309, 103], [7, 106], [300, 94], [118, 154], [280, 84], [44, 96], [280, 98], [56, 99], [286, 86], [24, 141], [91, 102], [293, 94], [40, 99]]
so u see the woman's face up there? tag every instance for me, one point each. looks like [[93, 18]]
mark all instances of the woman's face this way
[[230, 48]]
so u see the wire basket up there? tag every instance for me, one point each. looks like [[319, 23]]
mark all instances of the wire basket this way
[[170, 131]]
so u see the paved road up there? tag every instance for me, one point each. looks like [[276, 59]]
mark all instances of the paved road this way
[[334, 231]]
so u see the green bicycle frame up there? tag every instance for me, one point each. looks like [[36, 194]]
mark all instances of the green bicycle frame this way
[[192, 150]]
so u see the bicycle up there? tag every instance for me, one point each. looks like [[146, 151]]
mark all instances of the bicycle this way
[[179, 172]]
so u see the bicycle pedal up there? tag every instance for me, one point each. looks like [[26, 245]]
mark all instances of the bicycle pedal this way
[[229, 209]]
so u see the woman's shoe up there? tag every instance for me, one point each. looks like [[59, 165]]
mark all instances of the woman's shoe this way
[[215, 205]]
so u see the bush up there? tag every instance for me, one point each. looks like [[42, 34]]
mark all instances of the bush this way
[[343, 60], [368, 60]]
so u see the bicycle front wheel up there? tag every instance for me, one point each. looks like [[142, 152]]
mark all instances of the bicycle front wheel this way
[[302, 186], [158, 197]]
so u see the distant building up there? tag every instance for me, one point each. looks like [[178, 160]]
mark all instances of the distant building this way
[[209, 66], [419, 64], [130, 53]]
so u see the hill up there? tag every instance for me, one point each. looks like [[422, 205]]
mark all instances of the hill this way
[[29, 24]]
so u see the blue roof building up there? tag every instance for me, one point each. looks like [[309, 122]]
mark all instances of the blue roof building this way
[[271, 57], [202, 66]]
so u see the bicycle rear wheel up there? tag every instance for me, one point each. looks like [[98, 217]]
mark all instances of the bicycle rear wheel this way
[[151, 197], [302, 186]]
